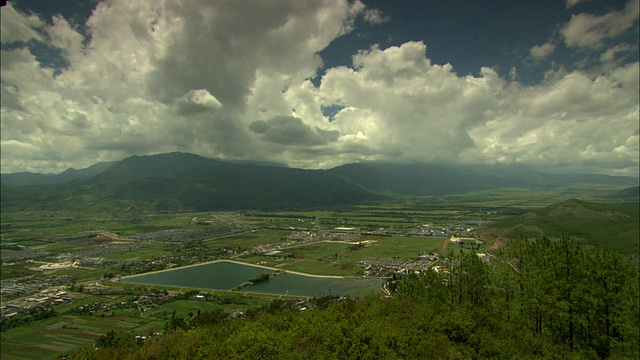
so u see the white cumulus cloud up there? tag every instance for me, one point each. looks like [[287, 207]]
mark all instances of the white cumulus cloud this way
[[542, 51]]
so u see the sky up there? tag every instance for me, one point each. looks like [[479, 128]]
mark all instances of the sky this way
[[317, 84]]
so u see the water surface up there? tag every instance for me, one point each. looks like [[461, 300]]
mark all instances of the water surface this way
[[225, 275]]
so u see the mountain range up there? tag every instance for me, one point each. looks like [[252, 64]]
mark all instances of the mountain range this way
[[181, 181], [28, 178]]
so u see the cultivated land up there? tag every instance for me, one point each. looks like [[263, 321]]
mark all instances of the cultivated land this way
[[65, 259]]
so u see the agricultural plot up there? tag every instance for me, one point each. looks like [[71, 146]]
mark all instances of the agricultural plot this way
[[323, 267], [140, 253], [250, 239], [46, 339], [182, 308], [62, 334]]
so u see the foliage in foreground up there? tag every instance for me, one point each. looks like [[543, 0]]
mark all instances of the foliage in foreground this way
[[537, 299]]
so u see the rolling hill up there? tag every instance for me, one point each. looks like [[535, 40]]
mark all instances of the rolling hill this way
[[614, 226], [631, 193]]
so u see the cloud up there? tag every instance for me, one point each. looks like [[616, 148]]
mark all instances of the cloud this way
[[287, 130], [571, 3], [197, 101], [566, 122], [586, 30], [372, 16], [160, 76], [375, 16], [230, 80], [405, 107], [540, 52], [401, 107], [16, 26], [65, 38], [610, 54]]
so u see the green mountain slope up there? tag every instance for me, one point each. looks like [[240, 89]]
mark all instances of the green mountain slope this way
[[185, 181], [614, 226]]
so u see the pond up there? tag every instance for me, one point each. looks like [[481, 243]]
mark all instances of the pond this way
[[226, 275]]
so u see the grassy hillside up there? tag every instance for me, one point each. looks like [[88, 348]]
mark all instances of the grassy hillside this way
[[614, 226]]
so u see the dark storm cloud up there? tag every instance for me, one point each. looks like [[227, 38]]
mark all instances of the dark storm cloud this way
[[218, 48], [287, 130]]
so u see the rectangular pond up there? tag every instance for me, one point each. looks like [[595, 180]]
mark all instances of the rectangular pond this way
[[226, 275]]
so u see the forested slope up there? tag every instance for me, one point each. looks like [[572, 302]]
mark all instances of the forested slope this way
[[537, 299]]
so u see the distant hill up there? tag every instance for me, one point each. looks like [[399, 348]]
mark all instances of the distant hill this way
[[603, 225], [632, 192], [177, 181], [435, 179], [27, 178]]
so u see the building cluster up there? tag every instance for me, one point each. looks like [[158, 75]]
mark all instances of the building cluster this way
[[428, 230], [114, 248], [387, 267], [310, 236], [150, 301], [96, 307], [27, 285], [75, 259], [9, 257], [43, 299]]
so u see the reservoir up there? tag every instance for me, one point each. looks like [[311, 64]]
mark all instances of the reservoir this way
[[226, 275]]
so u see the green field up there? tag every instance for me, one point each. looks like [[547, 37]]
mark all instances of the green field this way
[[250, 239], [46, 339]]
